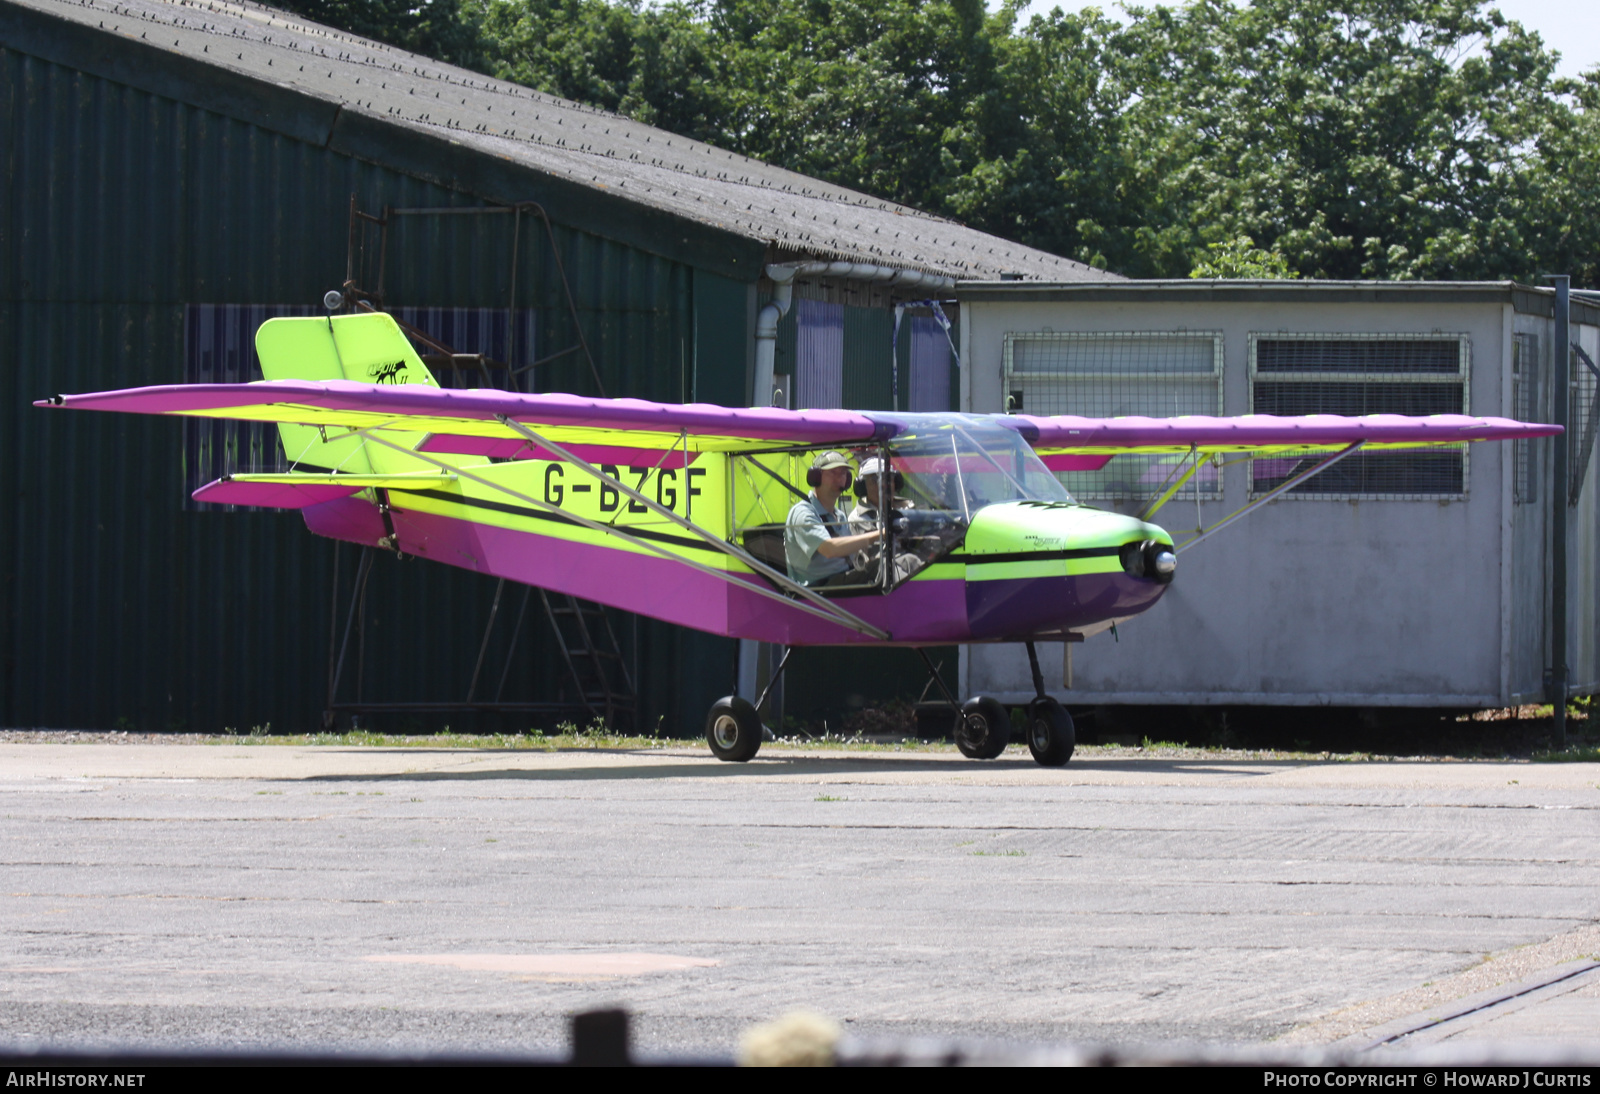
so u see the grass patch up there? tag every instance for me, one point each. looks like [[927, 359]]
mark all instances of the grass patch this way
[[1576, 754], [566, 736], [1001, 854], [827, 798]]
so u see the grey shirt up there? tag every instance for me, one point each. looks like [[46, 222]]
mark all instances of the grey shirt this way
[[808, 525]]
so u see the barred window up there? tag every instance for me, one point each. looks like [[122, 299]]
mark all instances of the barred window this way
[[1159, 374], [1583, 418], [1355, 374], [1525, 407]]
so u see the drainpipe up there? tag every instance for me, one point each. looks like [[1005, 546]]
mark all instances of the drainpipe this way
[[782, 277], [1556, 688]]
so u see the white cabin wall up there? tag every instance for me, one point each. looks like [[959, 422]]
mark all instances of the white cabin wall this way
[[1307, 601]]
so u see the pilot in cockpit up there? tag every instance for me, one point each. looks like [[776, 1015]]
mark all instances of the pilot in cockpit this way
[[817, 541]]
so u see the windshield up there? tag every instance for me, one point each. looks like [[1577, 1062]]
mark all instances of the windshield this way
[[962, 464]]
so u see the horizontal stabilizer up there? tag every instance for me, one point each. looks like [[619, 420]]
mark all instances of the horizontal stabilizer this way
[[296, 491]]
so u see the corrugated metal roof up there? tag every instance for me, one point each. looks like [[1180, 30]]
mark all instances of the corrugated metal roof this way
[[581, 145]]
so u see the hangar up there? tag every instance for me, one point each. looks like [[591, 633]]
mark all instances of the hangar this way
[[179, 170]]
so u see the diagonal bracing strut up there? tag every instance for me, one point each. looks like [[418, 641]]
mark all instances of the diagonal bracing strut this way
[[835, 616], [783, 581]]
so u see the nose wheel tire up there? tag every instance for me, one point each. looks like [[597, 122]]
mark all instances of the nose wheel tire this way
[[984, 729], [733, 729], [1051, 736]]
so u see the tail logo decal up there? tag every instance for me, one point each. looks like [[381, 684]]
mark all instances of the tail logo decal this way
[[387, 374]]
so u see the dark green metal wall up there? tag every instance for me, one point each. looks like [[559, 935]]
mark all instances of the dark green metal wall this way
[[828, 684], [118, 608]]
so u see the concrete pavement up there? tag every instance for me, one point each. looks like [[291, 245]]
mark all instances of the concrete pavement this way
[[262, 895]]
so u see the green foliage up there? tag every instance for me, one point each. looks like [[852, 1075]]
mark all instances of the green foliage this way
[[1241, 258], [1314, 138], [1358, 138], [446, 30]]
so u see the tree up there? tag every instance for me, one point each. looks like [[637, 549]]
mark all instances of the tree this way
[[1241, 258], [1357, 138], [442, 29]]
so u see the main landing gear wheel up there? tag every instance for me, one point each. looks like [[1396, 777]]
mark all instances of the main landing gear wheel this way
[[984, 728], [1051, 736], [733, 729]]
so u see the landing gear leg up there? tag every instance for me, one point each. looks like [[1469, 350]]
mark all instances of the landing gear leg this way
[[982, 726], [733, 728], [1051, 735]]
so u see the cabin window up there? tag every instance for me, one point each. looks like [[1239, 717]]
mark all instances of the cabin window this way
[[945, 469], [1357, 374], [1157, 374]]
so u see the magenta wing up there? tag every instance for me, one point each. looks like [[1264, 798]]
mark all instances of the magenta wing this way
[[474, 415], [1066, 438]]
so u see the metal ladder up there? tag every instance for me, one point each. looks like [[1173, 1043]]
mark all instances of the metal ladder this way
[[593, 657]]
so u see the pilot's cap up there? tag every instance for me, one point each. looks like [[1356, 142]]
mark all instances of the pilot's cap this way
[[872, 466], [827, 461]]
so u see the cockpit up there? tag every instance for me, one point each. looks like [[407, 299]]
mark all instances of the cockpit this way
[[934, 475]]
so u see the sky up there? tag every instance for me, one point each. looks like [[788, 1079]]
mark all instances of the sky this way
[[1571, 27]]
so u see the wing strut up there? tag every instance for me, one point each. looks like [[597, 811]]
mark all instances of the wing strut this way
[[783, 581], [1274, 492], [1196, 463], [836, 616]]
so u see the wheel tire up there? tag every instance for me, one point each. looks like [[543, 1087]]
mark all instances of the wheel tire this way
[[733, 729], [984, 729], [1051, 735]]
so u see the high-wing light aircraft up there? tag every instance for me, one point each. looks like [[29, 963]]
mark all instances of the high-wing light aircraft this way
[[678, 512]]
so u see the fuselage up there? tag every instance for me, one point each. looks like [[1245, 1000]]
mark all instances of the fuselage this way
[[1013, 570]]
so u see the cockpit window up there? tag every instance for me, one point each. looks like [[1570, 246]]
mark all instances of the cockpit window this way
[[963, 464], [949, 467]]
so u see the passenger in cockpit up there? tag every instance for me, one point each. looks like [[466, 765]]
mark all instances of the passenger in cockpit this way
[[878, 489]]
